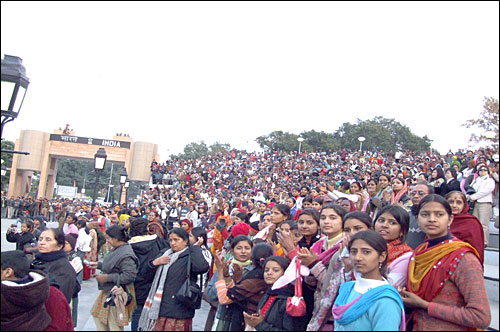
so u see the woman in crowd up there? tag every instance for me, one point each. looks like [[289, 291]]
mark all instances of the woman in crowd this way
[[326, 267], [120, 270], [438, 181], [445, 278], [155, 225], [371, 189], [71, 225], [93, 254], [161, 311], [271, 312], [384, 182], [347, 204], [187, 225], [83, 243], [198, 237], [241, 251], [292, 204], [243, 292], [370, 303], [145, 247], [317, 203], [483, 185], [399, 194], [52, 260], [465, 226], [392, 224], [23, 239], [76, 262]]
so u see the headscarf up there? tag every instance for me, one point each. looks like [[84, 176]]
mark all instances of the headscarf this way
[[468, 228]]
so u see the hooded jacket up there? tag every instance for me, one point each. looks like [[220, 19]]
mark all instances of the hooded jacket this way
[[145, 247], [120, 264], [23, 305]]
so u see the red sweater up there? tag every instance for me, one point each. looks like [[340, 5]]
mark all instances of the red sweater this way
[[58, 308], [461, 304]]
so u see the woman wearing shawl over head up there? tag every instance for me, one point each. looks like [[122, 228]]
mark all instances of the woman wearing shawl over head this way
[[465, 226], [445, 278]]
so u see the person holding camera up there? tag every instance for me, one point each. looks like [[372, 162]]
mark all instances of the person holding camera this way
[[25, 238], [115, 304]]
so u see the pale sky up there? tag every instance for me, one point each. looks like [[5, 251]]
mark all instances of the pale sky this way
[[173, 73]]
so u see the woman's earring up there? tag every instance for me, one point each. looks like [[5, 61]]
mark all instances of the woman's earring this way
[[380, 266]]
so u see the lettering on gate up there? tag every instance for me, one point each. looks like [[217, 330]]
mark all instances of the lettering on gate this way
[[90, 141]]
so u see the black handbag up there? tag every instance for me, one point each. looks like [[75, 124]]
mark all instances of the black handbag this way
[[189, 294], [471, 191]]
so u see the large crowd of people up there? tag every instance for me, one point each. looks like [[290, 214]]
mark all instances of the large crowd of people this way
[[272, 241]]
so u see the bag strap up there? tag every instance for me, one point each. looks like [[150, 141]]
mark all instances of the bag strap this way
[[298, 280], [189, 263]]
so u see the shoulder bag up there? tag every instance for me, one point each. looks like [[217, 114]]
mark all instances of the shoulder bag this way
[[189, 294], [296, 306]]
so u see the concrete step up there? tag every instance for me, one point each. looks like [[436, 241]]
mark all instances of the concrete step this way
[[494, 316], [491, 281], [491, 256]]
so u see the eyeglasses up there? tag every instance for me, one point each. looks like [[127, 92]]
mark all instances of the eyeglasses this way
[[483, 169], [420, 193]]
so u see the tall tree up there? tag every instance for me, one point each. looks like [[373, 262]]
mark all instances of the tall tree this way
[[488, 122]]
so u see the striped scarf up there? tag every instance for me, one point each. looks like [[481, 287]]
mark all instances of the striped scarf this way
[[151, 309]]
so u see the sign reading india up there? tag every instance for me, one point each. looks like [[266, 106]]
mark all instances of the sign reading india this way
[[90, 141]]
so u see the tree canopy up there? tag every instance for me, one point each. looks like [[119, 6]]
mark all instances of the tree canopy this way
[[488, 122], [196, 150], [380, 133]]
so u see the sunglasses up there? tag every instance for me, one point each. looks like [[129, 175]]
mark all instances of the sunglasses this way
[[483, 169]]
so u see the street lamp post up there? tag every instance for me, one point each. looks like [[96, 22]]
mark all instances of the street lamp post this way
[[300, 139], [123, 180], [99, 163], [126, 185], [14, 86], [361, 139]]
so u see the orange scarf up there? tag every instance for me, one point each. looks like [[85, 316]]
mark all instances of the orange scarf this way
[[430, 268], [396, 248]]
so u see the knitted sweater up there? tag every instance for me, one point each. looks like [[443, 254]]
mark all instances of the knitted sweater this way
[[461, 304]]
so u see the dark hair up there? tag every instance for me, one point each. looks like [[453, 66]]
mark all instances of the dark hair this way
[[58, 235], [293, 199], [401, 216], [262, 216], [462, 195], [200, 232], [345, 184], [376, 241], [337, 208], [440, 173], [358, 215], [72, 215], [118, 232], [310, 212], [293, 224], [83, 224], [283, 209], [435, 198], [307, 198], [237, 239], [180, 232], [260, 252], [29, 223], [387, 176], [17, 261], [243, 216], [453, 172], [282, 261], [319, 200], [429, 187], [138, 226]]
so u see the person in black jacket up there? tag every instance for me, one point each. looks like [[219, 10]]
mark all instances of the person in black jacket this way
[[23, 239], [146, 247], [171, 270], [272, 315], [452, 183], [52, 260]]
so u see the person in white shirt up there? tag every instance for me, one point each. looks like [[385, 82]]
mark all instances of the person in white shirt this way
[[484, 186], [82, 243]]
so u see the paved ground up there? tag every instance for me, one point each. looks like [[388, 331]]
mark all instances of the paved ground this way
[[89, 293]]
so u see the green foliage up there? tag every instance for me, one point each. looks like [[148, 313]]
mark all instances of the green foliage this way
[[380, 133], [81, 172], [196, 150], [488, 122]]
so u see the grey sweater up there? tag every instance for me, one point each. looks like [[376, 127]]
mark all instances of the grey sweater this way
[[121, 265]]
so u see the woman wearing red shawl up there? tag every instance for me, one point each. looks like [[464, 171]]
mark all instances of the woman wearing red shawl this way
[[465, 226], [347, 204], [445, 278]]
